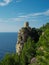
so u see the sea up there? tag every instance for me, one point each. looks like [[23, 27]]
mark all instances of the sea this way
[[7, 43]]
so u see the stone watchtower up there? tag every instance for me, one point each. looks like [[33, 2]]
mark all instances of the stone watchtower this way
[[23, 34], [26, 24]]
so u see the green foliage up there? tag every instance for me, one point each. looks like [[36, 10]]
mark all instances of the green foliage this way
[[39, 51], [10, 59], [35, 34], [44, 27], [43, 49], [28, 52]]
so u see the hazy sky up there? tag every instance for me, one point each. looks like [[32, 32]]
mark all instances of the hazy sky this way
[[13, 14]]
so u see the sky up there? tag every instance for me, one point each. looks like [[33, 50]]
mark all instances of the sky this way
[[14, 13]]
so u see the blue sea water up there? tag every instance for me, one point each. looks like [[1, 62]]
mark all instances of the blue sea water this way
[[7, 43]]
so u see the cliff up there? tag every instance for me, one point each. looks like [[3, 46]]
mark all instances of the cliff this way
[[32, 53], [23, 35]]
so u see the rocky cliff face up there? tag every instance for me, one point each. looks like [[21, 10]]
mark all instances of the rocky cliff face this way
[[23, 35]]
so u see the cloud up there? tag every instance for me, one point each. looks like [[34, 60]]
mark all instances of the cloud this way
[[14, 24], [31, 17], [23, 16], [45, 13], [5, 2], [27, 17], [16, 19]]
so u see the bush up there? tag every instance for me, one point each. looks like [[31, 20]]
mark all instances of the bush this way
[[10, 59], [29, 51]]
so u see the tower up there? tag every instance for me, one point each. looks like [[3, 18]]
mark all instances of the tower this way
[[26, 24]]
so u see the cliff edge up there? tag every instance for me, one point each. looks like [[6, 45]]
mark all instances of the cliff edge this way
[[23, 35]]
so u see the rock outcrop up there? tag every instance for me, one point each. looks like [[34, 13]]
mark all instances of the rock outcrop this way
[[23, 35]]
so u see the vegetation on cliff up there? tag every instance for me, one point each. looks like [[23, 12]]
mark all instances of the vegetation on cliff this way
[[32, 53]]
